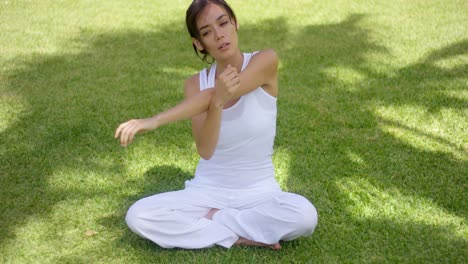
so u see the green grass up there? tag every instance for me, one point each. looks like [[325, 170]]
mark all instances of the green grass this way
[[372, 126]]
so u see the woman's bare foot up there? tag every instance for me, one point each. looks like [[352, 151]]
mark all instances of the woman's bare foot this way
[[243, 241], [246, 242], [211, 213]]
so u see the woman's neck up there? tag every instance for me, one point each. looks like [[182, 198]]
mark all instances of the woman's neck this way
[[235, 61]]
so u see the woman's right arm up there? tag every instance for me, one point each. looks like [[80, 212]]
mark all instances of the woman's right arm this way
[[199, 104], [188, 108]]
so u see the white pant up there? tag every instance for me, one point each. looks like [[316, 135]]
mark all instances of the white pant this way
[[176, 219]]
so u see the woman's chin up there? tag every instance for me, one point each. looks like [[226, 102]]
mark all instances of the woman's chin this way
[[225, 54]]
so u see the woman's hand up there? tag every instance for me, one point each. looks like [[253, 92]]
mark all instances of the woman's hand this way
[[226, 84], [127, 131]]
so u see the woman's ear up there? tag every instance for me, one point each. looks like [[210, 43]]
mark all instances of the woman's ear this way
[[197, 44]]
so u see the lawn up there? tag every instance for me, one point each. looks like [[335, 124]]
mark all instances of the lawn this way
[[372, 126]]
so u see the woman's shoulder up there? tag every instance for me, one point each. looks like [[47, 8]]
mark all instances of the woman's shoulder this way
[[192, 85], [266, 63], [267, 60], [266, 54]]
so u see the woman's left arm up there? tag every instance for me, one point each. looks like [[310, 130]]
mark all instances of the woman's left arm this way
[[262, 71]]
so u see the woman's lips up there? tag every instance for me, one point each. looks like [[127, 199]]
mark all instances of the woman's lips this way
[[224, 46]]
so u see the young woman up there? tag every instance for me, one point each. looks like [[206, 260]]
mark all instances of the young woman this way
[[234, 198]]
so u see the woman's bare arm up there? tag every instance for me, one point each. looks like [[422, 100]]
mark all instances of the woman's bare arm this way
[[188, 108], [193, 105], [261, 71]]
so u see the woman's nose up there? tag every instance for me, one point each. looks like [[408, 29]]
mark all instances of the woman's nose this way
[[218, 33]]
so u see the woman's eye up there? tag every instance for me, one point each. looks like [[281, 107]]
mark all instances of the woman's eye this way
[[224, 23], [204, 34]]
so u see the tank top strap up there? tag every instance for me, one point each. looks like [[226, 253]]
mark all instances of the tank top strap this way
[[247, 57], [207, 78], [203, 80], [211, 76]]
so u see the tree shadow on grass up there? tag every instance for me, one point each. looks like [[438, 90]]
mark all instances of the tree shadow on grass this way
[[330, 128], [342, 113], [156, 180], [323, 122], [54, 148]]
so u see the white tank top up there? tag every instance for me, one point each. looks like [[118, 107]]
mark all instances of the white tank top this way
[[242, 157]]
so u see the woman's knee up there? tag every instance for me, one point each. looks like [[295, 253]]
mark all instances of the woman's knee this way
[[309, 218], [305, 214], [134, 217], [142, 214]]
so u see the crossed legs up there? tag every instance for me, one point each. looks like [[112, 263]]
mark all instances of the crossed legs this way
[[191, 219]]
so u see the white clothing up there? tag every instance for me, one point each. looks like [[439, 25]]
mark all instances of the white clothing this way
[[176, 219], [242, 157], [238, 180]]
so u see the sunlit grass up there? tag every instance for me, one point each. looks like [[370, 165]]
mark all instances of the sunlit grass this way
[[423, 130], [369, 202], [282, 161]]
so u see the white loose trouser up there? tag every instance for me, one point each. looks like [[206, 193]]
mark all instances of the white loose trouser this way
[[177, 219]]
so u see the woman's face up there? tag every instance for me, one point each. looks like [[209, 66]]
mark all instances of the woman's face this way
[[218, 34]]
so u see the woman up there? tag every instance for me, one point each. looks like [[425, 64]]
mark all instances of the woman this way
[[234, 198]]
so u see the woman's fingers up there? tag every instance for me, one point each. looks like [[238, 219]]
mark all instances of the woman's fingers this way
[[233, 81], [118, 130], [236, 79], [126, 131], [231, 73], [231, 77], [129, 134], [123, 134], [228, 82]]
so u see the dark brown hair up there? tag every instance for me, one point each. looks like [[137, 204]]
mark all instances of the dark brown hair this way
[[192, 14]]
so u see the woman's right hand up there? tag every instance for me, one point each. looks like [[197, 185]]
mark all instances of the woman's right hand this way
[[127, 131], [226, 84]]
